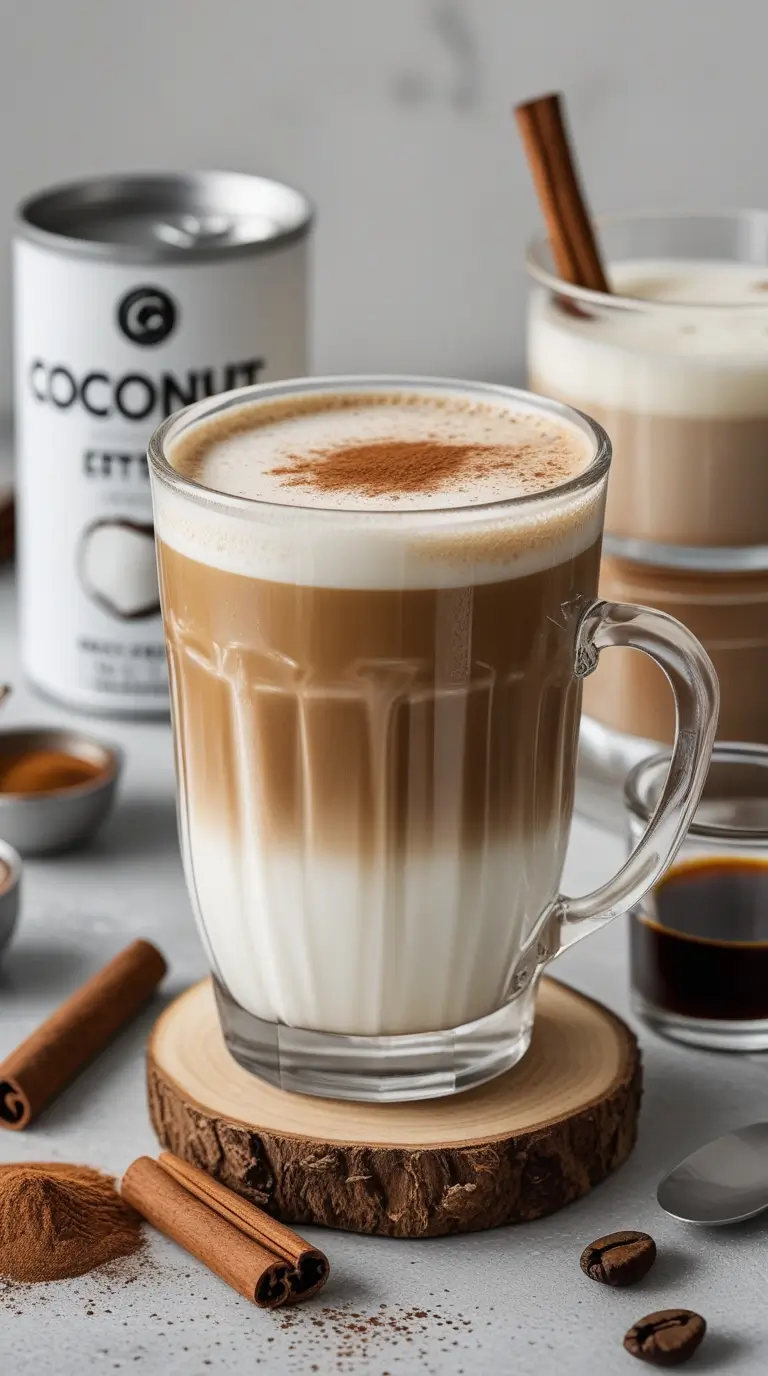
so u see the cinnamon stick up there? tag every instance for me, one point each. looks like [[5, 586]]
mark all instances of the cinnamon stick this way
[[43, 1064], [574, 245], [309, 1265], [240, 1260]]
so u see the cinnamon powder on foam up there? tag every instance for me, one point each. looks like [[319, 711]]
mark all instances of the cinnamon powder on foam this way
[[379, 468]]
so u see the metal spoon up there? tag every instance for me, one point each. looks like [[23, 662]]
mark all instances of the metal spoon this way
[[724, 1182]]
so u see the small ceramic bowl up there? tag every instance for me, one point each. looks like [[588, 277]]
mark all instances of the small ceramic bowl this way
[[43, 823], [9, 893]]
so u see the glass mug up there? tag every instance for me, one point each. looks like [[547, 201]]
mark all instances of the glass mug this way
[[375, 720], [681, 386]]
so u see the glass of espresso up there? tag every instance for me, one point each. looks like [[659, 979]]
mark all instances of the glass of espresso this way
[[379, 599], [699, 937]]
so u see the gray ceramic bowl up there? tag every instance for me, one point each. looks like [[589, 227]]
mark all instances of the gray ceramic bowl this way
[[9, 893], [43, 823]]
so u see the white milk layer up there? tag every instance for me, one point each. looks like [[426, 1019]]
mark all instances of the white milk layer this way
[[702, 351], [245, 518], [323, 942]]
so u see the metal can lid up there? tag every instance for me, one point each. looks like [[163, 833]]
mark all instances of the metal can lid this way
[[166, 216]]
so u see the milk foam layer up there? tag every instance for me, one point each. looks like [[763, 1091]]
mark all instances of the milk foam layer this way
[[247, 455], [454, 534], [681, 359]]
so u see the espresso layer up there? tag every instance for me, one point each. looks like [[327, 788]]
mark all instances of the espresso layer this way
[[373, 776], [377, 720], [729, 615], [685, 480]]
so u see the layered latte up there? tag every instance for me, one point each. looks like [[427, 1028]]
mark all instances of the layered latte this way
[[676, 369], [679, 379], [371, 648]]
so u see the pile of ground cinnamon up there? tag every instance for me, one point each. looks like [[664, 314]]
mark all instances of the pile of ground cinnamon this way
[[58, 1220], [378, 468]]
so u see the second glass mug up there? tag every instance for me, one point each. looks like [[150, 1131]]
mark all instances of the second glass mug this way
[[375, 720]]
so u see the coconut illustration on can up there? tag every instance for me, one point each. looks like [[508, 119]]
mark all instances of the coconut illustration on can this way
[[117, 568]]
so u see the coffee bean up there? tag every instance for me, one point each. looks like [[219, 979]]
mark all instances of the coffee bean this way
[[619, 1258], [667, 1338]]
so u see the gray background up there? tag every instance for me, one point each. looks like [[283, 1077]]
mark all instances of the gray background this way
[[394, 116]]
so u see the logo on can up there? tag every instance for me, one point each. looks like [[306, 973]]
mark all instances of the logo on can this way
[[147, 315]]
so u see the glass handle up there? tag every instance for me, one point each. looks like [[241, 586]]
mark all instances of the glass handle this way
[[693, 681]]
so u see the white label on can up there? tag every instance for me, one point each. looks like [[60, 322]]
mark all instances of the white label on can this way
[[103, 352]]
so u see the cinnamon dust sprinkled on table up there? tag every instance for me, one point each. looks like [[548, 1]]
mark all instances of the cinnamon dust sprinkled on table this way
[[349, 1336]]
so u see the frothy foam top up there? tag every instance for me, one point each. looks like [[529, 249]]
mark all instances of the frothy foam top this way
[[381, 452], [692, 283], [688, 362], [363, 490]]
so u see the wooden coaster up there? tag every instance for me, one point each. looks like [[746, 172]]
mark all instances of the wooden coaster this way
[[512, 1150]]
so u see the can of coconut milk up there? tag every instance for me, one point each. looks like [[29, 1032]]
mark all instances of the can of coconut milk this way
[[133, 296]]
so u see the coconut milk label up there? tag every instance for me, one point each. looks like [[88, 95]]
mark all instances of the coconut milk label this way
[[103, 353]]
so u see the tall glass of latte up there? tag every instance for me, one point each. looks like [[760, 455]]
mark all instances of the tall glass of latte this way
[[674, 363], [379, 605]]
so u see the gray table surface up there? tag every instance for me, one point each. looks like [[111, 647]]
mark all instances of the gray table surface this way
[[512, 1300]]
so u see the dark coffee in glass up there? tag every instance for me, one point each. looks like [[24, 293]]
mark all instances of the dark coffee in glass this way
[[699, 939]]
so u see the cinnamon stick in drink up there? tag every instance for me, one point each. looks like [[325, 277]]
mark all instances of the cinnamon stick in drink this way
[[574, 244], [309, 1265], [63, 1045], [206, 1230]]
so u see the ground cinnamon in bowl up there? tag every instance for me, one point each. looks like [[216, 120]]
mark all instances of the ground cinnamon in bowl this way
[[58, 1221], [44, 771], [57, 787]]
